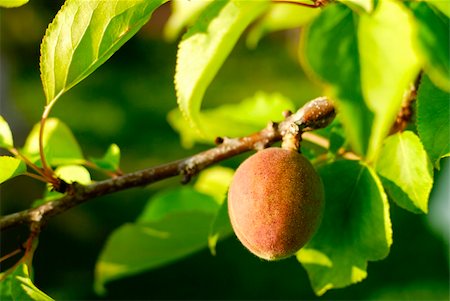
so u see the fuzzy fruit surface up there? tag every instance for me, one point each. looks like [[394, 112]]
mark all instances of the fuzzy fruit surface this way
[[275, 202]]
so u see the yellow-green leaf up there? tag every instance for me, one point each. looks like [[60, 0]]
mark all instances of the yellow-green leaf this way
[[12, 3], [406, 171], [11, 167], [6, 138], [83, 35], [389, 64], [205, 47]]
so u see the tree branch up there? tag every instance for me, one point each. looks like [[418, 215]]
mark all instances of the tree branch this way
[[316, 114]]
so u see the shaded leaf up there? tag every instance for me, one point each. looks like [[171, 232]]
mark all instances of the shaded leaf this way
[[83, 35], [389, 64], [134, 248], [12, 3], [205, 47], [11, 167], [60, 146], [433, 120], [433, 36], [220, 227], [233, 120], [354, 55], [110, 160], [6, 138], [329, 52], [365, 5], [18, 286], [406, 171], [174, 224], [355, 227]]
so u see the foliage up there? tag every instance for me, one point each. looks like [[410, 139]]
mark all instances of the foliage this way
[[364, 53]]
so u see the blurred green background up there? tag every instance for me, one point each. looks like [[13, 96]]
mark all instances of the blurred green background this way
[[126, 101]]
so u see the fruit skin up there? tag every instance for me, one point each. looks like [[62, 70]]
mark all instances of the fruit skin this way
[[275, 203]]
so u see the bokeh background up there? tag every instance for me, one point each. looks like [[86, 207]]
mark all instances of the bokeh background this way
[[126, 101]]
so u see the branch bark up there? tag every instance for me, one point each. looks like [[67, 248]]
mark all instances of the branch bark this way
[[316, 114]]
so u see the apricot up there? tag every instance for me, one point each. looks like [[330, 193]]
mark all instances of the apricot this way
[[275, 202]]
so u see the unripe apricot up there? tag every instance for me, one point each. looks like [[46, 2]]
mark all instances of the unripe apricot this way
[[275, 202]]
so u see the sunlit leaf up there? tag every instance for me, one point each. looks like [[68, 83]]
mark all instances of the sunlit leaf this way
[[18, 286], [6, 138], [73, 173], [389, 64], [406, 171], [280, 17], [433, 120], [12, 3], [182, 199], [214, 182], [184, 12], [60, 146], [11, 167], [110, 160], [442, 5], [205, 47], [329, 52], [433, 37], [83, 35], [355, 227], [233, 120], [220, 227]]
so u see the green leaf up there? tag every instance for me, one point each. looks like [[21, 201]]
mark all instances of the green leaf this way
[[442, 5], [60, 146], [355, 228], [74, 173], [184, 13], [6, 138], [368, 61], [83, 35], [280, 16], [182, 199], [389, 64], [174, 224], [134, 248], [11, 167], [329, 52], [111, 160], [233, 120], [49, 195], [214, 182], [433, 37], [18, 286], [406, 171], [12, 3], [365, 5], [220, 227], [68, 173], [205, 47], [433, 120], [337, 139]]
